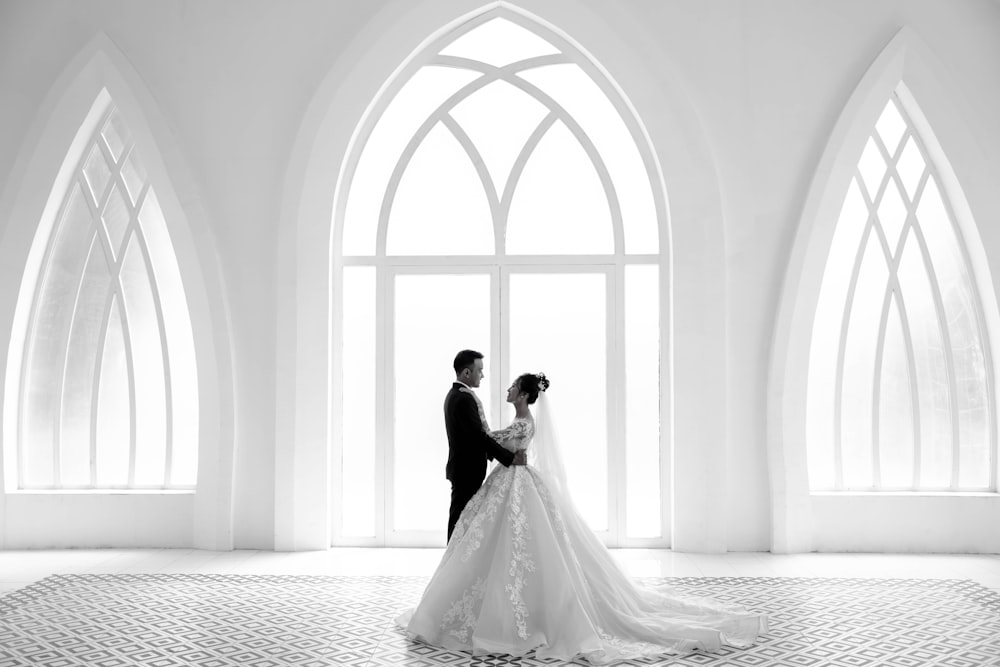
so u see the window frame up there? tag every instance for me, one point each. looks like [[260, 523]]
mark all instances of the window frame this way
[[911, 227], [614, 263], [803, 520], [98, 234]]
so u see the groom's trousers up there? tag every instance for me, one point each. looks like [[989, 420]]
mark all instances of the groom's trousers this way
[[461, 494]]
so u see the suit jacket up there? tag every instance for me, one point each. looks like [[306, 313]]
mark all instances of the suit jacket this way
[[469, 445]]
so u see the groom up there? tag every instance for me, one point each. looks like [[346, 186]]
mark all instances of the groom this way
[[469, 443]]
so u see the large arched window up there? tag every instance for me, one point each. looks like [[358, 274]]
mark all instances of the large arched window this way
[[108, 390], [499, 196], [900, 392]]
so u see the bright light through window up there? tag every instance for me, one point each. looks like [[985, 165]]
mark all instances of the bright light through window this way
[[503, 210], [899, 397], [109, 391]]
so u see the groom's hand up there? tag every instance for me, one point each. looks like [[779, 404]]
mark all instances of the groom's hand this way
[[520, 458]]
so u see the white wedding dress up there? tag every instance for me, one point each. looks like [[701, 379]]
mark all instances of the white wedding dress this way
[[523, 572]]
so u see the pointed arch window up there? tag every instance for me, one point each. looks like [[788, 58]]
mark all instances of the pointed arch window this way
[[501, 196], [900, 393], [108, 384]]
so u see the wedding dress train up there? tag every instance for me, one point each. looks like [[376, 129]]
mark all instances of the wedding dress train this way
[[523, 572]]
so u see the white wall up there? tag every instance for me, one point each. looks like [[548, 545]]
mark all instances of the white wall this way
[[740, 98]]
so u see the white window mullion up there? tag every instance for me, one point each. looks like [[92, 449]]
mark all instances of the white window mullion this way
[[842, 349], [147, 261], [873, 207], [589, 148], [130, 371], [948, 352], [502, 326], [131, 229], [101, 344], [890, 288], [335, 380], [95, 225], [617, 424], [486, 261], [477, 161], [499, 337], [906, 231], [383, 426], [515, 175], [392, 186]]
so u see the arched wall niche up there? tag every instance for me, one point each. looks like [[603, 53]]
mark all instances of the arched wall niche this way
[[98, 76], [692, 283], [805, 521]]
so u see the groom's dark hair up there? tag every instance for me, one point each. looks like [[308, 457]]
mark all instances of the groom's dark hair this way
[[465, 359]]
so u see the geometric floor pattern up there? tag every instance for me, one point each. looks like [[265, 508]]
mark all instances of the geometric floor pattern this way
[[223, 620]]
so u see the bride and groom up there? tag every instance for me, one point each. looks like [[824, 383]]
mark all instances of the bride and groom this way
[[523, 572]]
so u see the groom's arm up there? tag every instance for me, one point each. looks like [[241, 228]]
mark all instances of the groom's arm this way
[[473, 425]]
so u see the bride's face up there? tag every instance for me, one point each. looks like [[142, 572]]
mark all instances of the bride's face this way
[[513, 392]]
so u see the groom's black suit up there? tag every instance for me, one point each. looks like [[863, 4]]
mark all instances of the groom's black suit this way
[[469, 446]]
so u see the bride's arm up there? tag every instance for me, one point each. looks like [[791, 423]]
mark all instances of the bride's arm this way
[[516, 430]]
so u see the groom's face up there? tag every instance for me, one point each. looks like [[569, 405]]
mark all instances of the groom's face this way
[[475, 373]]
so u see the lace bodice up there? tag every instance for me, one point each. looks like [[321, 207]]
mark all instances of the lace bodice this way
[[517, 436]]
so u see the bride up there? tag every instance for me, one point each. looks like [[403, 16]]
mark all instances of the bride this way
[[523, 572]]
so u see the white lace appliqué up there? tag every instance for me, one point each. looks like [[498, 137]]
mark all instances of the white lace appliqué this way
[[515, 436], [553, 509], [520, 562], [464, 612], [475, 515]]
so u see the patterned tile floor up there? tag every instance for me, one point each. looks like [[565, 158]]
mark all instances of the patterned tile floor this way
[[162, 608]]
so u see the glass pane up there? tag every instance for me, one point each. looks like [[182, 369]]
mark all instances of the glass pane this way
[[81, 368], [826, 337], [411, 106], [895, 416], [568, 344], [114, 411], [116, 135], [39, 417], [642, 401], [859, 368], [96, 171], [499, 42], [963, 327], [134, 174], [590, 106], [890, 127], [116, 218], [872, 167], [180, 343], [499, 118], [892, 215], [911, 167], [47, 337], [440, 207], [559, 205], [931, 369], [147, 355], [184, 405], [427, 335], [358, 421]]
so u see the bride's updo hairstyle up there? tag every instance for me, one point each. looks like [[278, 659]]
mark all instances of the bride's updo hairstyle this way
[[532, 384]]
